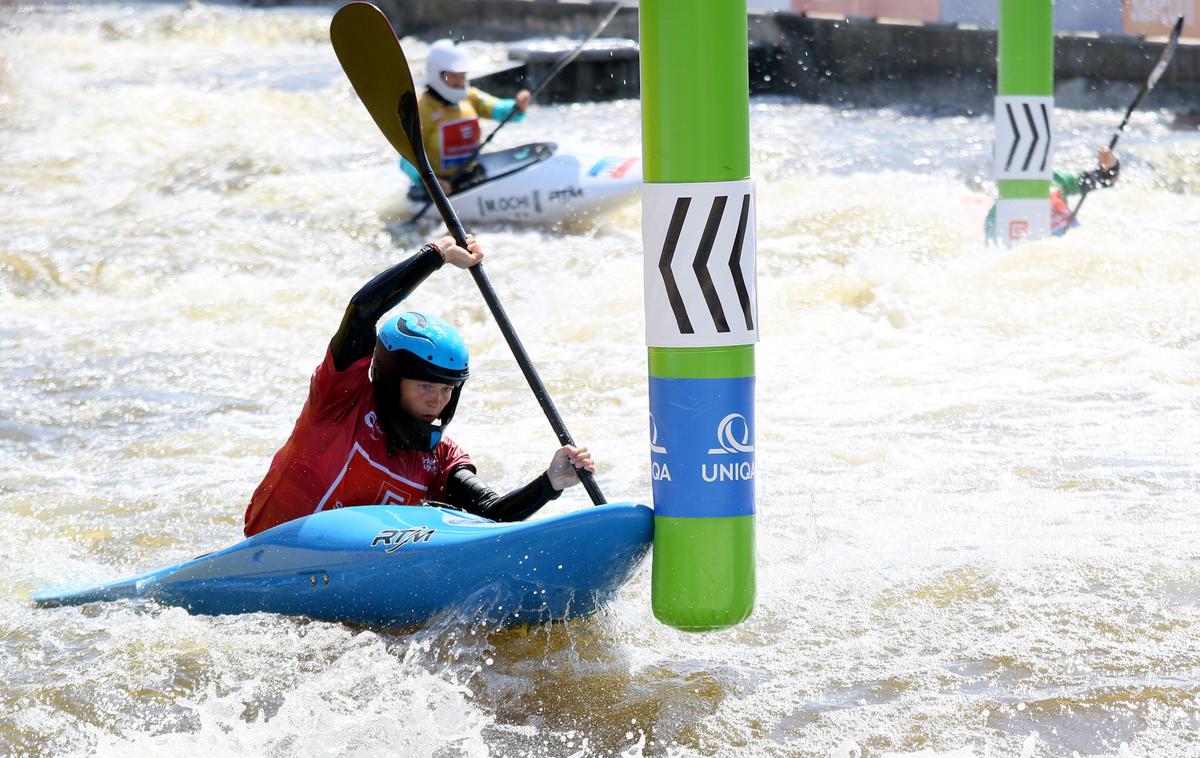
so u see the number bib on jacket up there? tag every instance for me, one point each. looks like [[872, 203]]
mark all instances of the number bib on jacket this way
[[459, 140]]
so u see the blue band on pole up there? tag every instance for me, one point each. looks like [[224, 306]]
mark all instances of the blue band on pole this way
[[702, 447]]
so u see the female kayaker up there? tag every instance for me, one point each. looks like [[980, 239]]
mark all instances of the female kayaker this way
[[372, 429], [450, 110], [1064, 184]]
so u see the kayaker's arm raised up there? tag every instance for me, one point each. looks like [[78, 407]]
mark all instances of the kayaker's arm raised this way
[[372, 430], [1070, 183]]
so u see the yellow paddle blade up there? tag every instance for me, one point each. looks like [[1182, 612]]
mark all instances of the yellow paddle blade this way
[[371, 56]]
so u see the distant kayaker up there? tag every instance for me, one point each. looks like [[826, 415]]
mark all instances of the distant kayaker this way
[[1064, 184], [450, 110], [372, 430]]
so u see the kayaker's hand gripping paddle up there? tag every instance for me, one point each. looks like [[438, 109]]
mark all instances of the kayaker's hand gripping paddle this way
[[1164, 60], [372, 58]]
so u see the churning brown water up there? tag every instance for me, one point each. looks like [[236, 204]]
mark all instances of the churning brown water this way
[[978, 481]]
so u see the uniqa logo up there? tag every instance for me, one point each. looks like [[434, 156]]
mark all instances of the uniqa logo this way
[[733, 436], [727, 472], [729, 439], [654, 446], [658, 471]]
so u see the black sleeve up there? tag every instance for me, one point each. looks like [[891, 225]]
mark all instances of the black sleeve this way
[[1101, 177], [355, 338], [464, 490]]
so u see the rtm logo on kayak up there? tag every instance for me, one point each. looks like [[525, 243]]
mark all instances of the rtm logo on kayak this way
[[398, 538], [565, 194]]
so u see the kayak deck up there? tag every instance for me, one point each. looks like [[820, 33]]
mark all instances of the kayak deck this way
[[394, 566], [537, 183]]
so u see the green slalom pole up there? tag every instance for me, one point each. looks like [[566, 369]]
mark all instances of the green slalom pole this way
[[1024, 119], [701, 309]]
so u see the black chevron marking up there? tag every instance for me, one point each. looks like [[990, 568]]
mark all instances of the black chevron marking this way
[[735, 263], [1016, 136], [1046, 149], [700, 266], [664, 264], [1032, 128]]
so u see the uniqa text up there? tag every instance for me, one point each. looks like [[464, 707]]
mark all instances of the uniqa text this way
[[727, 472]]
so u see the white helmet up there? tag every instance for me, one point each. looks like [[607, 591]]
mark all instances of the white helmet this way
[[444, 55]]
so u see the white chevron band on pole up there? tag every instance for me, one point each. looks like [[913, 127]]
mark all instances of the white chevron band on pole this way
[[1024, 137], [700, 264]]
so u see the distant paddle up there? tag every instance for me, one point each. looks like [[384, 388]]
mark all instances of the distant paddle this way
[[372, 58], [1164, 60], [558, 66]]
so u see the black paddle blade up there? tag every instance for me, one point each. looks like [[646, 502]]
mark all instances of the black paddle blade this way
[[370, 54], [409, 113]]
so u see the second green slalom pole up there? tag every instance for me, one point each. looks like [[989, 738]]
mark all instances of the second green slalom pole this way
[[1024, 119], [701, 308]]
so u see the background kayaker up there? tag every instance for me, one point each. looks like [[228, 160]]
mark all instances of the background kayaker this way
[[1064, 184], [450, 110], [372, 428]]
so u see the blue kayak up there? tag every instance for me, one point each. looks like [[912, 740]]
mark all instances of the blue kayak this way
[[398, 566]]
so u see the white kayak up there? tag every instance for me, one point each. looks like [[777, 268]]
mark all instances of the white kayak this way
[[538, 183]]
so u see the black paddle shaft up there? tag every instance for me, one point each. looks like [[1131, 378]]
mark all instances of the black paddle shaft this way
[[409, 120], [1164, 60]]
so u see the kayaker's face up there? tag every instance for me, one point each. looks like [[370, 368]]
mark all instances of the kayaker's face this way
[[424, 400], [456, 79]]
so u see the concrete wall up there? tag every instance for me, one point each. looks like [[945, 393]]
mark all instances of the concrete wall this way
[[1149, 17], [505, 19], [857, 60]]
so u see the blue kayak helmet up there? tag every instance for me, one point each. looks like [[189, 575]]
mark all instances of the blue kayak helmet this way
[[423, 347]]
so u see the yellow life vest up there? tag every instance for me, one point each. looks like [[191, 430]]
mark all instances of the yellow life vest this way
[[451, 132]]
